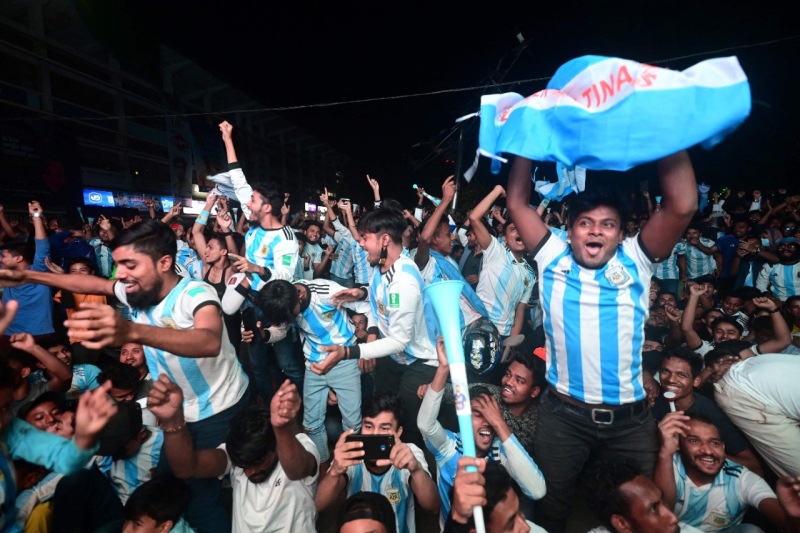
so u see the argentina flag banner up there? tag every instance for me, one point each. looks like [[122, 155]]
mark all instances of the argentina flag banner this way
[[607, 113]]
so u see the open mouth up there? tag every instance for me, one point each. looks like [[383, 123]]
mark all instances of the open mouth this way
[[707, 460], [507, 391], [485, 436], [129, 286], [594, 248]]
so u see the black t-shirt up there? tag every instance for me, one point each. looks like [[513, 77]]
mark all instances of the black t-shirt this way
[[735, 441]]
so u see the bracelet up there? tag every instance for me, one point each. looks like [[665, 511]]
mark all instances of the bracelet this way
[[776, 310], [36, 215], [202, 218], [176, 429]]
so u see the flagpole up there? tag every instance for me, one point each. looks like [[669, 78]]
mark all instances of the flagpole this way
[[458, 164]]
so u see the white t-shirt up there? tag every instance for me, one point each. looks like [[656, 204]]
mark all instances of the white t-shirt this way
[[277, 504], [210, 384], [771, 379]]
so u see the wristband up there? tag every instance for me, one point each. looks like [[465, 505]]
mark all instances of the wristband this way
[[175, 429], [776, 310], [202, 218], [36, 215]]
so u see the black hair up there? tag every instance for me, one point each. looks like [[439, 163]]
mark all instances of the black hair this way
[[150, 237], [790, 300], [277, 300], [535, 365], [308, 223], [16, 249], [479, 390], [82, 261], [368, 505], [727, 320], [8, 378], [706, 279], [498, 483], [601, 487], [270, 195], [122, 376], [685, 354], [384, 220], [748, 293], [51, 341], [162, 498], [761, 323], [659, 293], [697, 417], [250, 437], [381, 402], [301, 238], [651, 361], [589, 200], [220, 239], [723, 349], [733, 294]]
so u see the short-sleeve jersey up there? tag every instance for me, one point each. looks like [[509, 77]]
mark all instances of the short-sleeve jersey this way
[[433, 273], [275, 249], [698, 264], [594, 321], [393, 484], [210, 384], [668, 268], [722, 503], [277, 505], [782, 281], [504, 283]]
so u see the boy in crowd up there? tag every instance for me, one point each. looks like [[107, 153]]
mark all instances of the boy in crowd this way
[[402, 478]]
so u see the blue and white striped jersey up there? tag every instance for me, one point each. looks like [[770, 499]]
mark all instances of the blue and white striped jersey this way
[[504, 283], [322, 324], [406, 322], [782, 280], [185, 255], [697, 263], [594, 321], [105, 263], [362, 271], [433, 273], [668, 268], [342, 266], [722, 503], [210, 384], [393, 484], [84, 377], [275, 249], [127, 474]]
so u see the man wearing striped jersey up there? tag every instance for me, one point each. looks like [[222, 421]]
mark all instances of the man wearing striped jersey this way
[[493, 439], [783, 279], [506, 281], [406, 324], [695, 258], [705, 489], [324, 328], [271, 252], [342, 266], [178, 321], [434, 261], [401, 478], [667, 272], [594, 293]]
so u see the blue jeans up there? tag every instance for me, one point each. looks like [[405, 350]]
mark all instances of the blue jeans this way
[[562, 445], [283, 351], [345, 380], [344, 282]]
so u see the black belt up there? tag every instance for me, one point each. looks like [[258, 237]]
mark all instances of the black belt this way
[[599, 415]]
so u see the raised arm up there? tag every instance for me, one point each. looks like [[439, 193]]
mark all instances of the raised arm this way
[[432, 224], [693, 340], [679, 193], [61, 373], [783, 337], [165, 401], [529, 224], [376, 189], [481, 233], [296, 461], [199, 227], [77, 283]]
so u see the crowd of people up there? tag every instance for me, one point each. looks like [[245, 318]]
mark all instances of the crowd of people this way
[[221, 374]]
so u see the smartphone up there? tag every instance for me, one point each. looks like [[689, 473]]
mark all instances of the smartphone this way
[[249, 319], [346, 200], [375, 446], [234, 257]]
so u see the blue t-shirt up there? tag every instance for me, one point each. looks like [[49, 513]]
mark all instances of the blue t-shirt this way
[[35, 313]]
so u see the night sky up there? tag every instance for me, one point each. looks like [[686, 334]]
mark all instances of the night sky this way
[[298, 53]]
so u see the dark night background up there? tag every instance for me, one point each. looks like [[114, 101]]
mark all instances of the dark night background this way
[[288, 54]]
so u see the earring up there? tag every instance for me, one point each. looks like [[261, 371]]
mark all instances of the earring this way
[[384, 253]]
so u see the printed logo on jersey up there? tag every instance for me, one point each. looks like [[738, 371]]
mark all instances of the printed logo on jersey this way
[[287, 260], [394, 300], [718, 518], [617, 276], [168, 323], [393, 495]]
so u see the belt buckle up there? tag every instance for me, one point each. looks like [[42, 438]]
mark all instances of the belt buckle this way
[[607, 423]]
